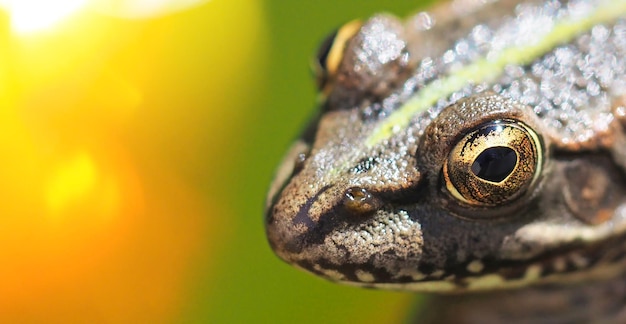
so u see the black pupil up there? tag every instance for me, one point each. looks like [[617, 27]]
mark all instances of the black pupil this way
[[495, 163]]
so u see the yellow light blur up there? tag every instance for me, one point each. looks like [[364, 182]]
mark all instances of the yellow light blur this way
[[28, 16], [31, 16], [104, 123], [142, 8], [71, 182]]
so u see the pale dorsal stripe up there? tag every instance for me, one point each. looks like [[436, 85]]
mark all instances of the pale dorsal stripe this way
[[483, 70]]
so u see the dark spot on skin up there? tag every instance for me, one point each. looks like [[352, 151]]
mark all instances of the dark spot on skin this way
[[316, 233], [326, 224], [345, 250], [451, 252], [515, 272], [302, 217], [404, 279], [619, 256], [349, 270], [547, 270], [364, 165], [426, 268], [294, 246], [417, 192], [306, 264]]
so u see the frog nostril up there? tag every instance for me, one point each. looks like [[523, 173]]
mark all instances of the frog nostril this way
[[359, 201]]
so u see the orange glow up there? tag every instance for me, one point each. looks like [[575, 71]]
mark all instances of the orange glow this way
[[103, 125], [28, 16]]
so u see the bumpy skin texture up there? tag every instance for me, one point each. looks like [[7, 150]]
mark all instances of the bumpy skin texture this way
[[371, 145]]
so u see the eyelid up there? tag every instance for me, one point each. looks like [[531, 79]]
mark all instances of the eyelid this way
[[331, 54]]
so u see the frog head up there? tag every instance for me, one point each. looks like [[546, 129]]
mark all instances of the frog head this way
[[477, 191]]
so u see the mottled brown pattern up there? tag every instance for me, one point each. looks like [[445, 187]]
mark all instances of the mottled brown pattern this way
[[550, 250]]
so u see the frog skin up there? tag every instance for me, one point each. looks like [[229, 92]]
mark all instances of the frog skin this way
[[476, 151]]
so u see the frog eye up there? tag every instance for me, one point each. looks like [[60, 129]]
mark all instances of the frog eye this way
[[331, 51], [493, 164]]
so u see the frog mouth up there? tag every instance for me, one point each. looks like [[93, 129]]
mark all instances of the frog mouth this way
[[597, 259], [600, 260], [576, 264]]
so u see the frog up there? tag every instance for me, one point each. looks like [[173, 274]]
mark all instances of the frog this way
[[474, 151]]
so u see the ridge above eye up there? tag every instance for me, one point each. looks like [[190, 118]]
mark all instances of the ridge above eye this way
[[493, 164], [331, 52]]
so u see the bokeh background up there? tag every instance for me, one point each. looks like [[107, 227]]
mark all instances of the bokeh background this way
[[137, 141]]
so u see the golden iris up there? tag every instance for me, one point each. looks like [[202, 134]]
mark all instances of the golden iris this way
[[493, 164]]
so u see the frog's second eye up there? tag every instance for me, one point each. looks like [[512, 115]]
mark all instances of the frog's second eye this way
[[493, 164], [331, 51]]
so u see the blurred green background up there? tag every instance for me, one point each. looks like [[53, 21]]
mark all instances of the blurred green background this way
[[138, 144], [257, 286]]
